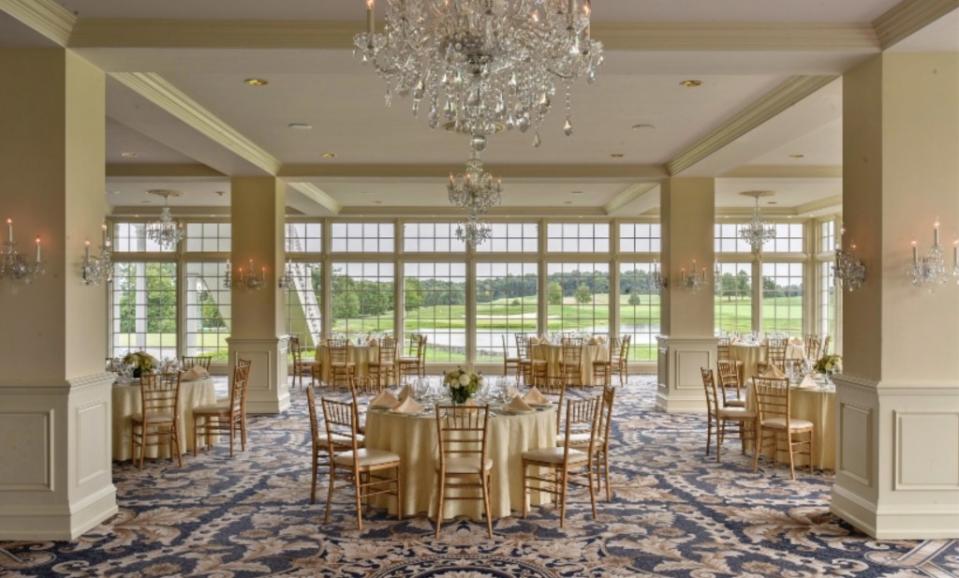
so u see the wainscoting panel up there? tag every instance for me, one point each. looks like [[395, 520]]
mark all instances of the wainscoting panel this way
[[27, 453], [856, 443], [926, 450], [93, 422]]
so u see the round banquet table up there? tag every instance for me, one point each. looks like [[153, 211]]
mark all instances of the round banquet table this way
[[815, 404], [749, 355], [126, 402], [360, 355], [553, 354], [414, 439]]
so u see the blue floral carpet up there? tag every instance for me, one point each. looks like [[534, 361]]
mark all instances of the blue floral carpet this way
[[675, 513]]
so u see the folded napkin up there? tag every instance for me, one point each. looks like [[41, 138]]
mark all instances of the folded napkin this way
[[405, 393], [808, 381], [194, 373], [408, 405], [535, 397], [774, 372], [518, 405], [385, 400]]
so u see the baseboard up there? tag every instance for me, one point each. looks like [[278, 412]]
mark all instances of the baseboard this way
[[899, 523], [65, 522], [670, 404], [269, 406]]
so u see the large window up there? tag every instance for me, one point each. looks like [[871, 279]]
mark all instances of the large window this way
[[144, 309], [435, 306], [304, 237], [577, 237], [511, 238], [733, 305], [207, 310], [363, 237], [640, 238], [132, 238], [304, 302], [578, 297], [789, 239], [362, 298], [727, 240], [431, 238], [639, 309], [783, 298], [208, 237], [827, 236], [505, 306]]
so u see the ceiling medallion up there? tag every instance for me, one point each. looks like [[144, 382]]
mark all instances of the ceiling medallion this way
[[757, 233], [480, 67]]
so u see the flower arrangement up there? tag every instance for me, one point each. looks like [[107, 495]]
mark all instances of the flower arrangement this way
[[829, 364], [141, 362], [462, 384]]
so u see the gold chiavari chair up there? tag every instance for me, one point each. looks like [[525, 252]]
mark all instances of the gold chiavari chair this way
[[529, 369], [812, 347], [564, 463], [463, 465], [191, 361], [158, 417], [603, 368], [301, 367], [772, 398], [571, 362], [729, 383], [320, 445], [579, 438], [362, 468], [556, 393], [718, 417], [776, 352], [340, 355], [510, 363], [618, 361], [226, 418], [724, 349], [414, 362], [383, 368]]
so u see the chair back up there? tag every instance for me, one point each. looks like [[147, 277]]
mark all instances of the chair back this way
[[522, 346], [505, 343], [315, 440], [572, 351], [624, 344], [341, 420], [421, 350], [367, 384], [615, 349], [190, 361], [813, 347], [241, 378], [462, 432], [554, 388], [724, 348], [296, 349], [571, 340], [159, 395], [772, 398], [604, 421], [729, 378], [581, 415], [339, 350], [709, 385], [386, 354], [776, 352]]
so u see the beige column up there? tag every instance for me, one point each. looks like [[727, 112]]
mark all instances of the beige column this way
[[55, 399], [898, 398], [687, 344], [258, 208]]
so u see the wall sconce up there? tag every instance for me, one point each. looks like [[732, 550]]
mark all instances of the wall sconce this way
[[15, 266], [694, 278], [660, 281], [286, 279], [849, 271], [930, 270], [97, 270], [247, 278]]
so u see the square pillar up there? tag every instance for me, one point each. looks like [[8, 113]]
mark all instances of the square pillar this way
[[687, 344], [897, 471], [258, 213], [55, 399]]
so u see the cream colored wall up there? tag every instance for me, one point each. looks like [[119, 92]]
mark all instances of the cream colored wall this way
[[52, 183]]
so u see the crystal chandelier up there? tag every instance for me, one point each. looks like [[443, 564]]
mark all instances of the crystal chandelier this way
[[473, 231], [15, 266], [930, 271], [475, 190], [98, 269], [244, 278], [757, 233], [166, 232], [849, 271]]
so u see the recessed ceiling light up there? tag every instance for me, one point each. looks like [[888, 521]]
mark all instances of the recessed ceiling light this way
[[577, 193], [220, 193], [114, 192], [257, 82], [129, 155], [329, 155], [691, 83], [644, 126], [568, 202], [797, 156], [300, 126], [617, 155], [377, 202], [772, 202]]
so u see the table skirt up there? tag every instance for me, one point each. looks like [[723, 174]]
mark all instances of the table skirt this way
[[552, 354], [818, 406], [361, 355]]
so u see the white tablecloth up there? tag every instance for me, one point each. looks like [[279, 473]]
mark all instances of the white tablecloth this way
[[815, 404], [361, 356], [553, 353], [126, 402], [749, 355], [413, 438]]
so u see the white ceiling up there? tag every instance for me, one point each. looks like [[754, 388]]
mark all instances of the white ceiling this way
[[132, 192], [940, 36], [821, 147], [122, 142], [789, 193]]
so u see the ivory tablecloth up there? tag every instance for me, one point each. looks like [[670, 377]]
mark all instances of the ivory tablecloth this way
[[414, 439], [553, 353], [126, 402], [815, 404], [361, 355], [749, 355]]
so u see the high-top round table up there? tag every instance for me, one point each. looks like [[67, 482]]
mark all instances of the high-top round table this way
[[414, 439]]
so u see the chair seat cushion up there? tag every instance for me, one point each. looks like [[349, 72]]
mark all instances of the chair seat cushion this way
[[157, 418], [340, 440], [366, 458], [465, 465], [794, 424], [554, 456], [735, 403], [736, 413], [578, 439], [220, 407]]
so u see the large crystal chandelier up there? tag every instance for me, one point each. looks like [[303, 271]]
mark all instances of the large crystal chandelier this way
[[757, 233], [165, 232]]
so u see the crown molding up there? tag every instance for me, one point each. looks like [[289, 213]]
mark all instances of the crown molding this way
[[318, 196], [558, 171], [162, 170], [785, 172], [768, 106], [909, 16], [162, 93], [47, 17], [458, 213], [735, 36], [821, 207]]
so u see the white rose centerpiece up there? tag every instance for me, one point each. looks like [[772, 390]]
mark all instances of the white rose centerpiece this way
[[462, 384]]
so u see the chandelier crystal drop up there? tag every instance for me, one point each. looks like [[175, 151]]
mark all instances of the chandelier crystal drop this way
[[473, 231], [165, 232], [757, 233]]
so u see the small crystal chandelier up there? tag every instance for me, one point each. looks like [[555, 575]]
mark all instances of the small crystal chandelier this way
[[286, 279], [166, 232], [475, 190], [244, 278], [473, 231], [757, 233], [14, 266], [850, 272], [930, 270], [98, 269]]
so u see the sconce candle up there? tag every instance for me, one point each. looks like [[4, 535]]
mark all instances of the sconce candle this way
[[37, 243], [10, 231]]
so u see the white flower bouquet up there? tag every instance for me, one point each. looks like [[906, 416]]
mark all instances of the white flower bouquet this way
[[462, 384]]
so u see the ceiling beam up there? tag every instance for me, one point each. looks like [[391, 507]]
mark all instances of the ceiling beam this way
[[557, 171], [634, 200], [47, 17], [458, 213], [770, 105], [908, 17], [164, 170], [317, 197], [785, 172]]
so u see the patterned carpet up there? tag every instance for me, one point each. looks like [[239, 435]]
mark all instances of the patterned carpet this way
[[674, 514]]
